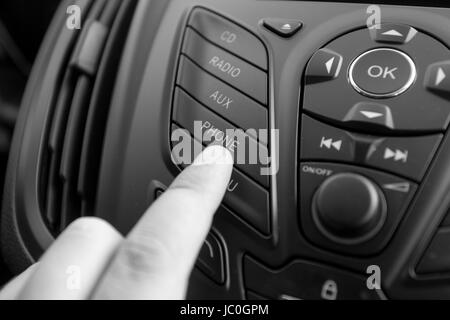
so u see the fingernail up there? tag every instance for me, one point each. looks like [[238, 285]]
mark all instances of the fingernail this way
[[214, 155]]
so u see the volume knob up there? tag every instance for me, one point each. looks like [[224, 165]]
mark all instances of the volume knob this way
[[349, 208]]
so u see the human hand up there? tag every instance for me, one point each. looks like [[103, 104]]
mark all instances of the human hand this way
[[156, 258]]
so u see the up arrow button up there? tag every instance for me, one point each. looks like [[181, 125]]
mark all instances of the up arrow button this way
[[372, 115], [392, 33]]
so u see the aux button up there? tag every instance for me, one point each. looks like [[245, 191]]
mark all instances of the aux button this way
[[382, 73]]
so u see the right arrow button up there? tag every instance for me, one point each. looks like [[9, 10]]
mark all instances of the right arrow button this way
[[437, 77]]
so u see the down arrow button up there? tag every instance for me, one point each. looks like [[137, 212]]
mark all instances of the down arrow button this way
[[374, 114]]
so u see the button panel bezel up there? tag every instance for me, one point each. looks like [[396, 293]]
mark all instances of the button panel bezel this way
[[252, 172]]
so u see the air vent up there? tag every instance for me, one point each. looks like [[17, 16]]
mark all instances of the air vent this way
[[76, 125]]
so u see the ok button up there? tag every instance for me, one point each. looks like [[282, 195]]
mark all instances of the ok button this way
[[382, 73]]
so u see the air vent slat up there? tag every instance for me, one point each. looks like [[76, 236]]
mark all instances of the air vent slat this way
[[60, 115], [107, 17], [72, 148], [51, 183], [53, 195], [77, 122], [93, 15], [56, 136], [89, 55], [70, 207], [49, 180], [75, 127], [97, 117]]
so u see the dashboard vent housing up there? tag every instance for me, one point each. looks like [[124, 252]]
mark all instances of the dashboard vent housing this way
[[74, 136]]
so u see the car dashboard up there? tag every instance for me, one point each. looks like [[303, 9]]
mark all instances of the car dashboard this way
[[345, 105]]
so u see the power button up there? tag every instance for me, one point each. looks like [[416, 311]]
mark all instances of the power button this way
[[382, 73]]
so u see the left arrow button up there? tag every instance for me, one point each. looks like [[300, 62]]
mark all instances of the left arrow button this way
[[325, 65]]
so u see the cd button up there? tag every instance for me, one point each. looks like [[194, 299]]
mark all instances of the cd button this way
[[225, 66], [229, 36]]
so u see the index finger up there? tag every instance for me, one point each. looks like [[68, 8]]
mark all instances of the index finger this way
[[156, 259]]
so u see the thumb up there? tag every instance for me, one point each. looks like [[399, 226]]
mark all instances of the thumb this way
[[156, 259]]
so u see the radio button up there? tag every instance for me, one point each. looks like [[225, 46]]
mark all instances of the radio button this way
[[227, 67], [223, 99]]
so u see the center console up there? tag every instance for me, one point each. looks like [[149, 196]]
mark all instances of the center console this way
[[349, 118]]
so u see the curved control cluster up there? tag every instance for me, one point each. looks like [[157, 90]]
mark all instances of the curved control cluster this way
[[367, 145]]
